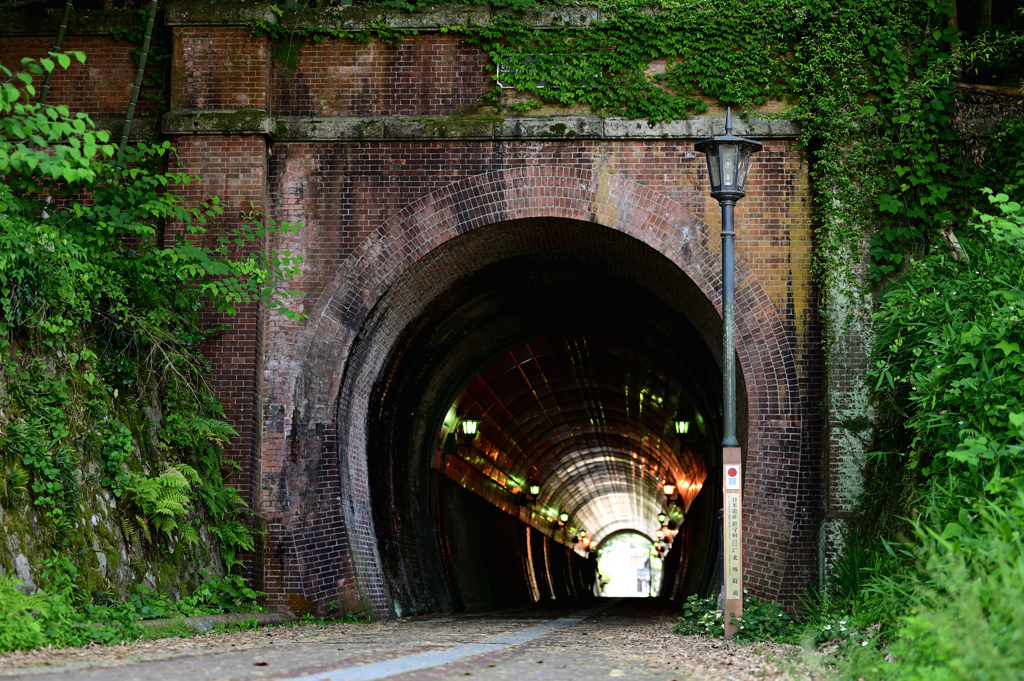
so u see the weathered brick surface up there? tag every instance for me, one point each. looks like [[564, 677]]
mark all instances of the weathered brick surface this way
[[219, 68], [430, 74], [377, 214], [325, 187], [101, 87], [234, 169]]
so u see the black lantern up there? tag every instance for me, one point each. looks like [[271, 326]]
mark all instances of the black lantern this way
[[469, 427], [728, 161]]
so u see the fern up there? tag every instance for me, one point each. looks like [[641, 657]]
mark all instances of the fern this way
[[165, 500]]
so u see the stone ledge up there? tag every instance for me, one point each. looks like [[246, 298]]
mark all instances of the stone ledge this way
[[353, 18], [233, 122], [496, 127], [350, 18], [203, 13], [142, 128], [99, 22]]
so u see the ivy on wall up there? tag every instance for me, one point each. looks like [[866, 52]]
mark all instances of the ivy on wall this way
[[873, 85]]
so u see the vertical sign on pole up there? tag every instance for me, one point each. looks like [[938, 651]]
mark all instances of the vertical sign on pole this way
[[732, 541]]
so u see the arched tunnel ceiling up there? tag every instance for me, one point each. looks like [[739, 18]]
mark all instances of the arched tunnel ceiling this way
[[592, 422]]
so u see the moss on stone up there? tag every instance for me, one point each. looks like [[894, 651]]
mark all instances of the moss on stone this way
[[473, 122]]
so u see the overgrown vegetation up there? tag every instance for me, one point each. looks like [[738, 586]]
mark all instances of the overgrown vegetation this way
[[64, 615], [940, 568], [761, 620], [103, 275]]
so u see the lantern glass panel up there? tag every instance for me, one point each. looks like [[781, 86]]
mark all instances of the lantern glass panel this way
[[469, 427], [743, 167], [730, 157], [534, 490], [713, 168]]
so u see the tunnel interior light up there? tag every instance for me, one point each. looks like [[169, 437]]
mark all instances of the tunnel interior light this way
[[682, 427], [669, 489], [469, 427], [534, 490], [661, 517], [583, 533], [564, 517]]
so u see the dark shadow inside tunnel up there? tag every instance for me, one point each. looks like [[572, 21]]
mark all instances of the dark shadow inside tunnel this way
[[578, 352]]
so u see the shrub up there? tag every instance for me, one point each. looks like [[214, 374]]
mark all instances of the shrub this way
[[761, 620], [701, 616]]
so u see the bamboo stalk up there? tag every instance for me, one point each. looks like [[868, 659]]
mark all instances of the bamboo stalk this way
[[138, 76], [44, 93]]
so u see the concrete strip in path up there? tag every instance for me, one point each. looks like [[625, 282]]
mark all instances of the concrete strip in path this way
[[410, 663]]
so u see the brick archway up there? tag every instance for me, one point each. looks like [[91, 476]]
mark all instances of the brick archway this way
[[325, 547]]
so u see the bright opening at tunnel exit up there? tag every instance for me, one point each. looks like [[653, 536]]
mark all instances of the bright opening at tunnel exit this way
[[558, 393], [628, 566]]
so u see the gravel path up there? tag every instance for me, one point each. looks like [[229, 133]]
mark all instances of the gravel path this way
[[631, 639]]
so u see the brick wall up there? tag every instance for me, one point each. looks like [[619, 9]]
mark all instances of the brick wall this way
[[427, 74], [775, 343], [374, 211], [216, 68], [101, 87]]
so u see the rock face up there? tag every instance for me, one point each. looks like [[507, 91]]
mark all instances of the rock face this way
[[112, 556]]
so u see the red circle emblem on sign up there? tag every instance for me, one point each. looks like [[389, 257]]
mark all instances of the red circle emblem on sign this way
[[732, 472]]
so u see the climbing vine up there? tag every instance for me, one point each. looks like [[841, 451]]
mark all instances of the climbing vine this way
[[873, 86]]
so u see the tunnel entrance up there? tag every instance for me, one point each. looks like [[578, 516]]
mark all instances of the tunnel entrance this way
[[577, 348]]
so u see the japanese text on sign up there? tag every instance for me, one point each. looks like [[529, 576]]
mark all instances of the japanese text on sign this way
[[733, 557]]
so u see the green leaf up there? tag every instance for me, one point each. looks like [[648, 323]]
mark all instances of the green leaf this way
[[1007, 348]]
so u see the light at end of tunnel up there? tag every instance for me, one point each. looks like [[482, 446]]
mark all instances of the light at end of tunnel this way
[[682, 427], [469, 427], [564, 517], [670, 489]]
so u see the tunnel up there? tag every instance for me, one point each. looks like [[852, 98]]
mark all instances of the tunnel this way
[[573, 349]]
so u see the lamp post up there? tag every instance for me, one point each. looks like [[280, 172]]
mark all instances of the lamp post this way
[[728, 159]]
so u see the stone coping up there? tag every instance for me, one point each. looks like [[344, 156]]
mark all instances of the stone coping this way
[[354, 18], [481, 127], [350, 18], [143, 128], [96, 22]]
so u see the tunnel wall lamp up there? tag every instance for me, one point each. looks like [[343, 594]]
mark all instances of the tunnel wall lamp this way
[[465, 429], [682, 427], [728, 159], [469, 427]]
